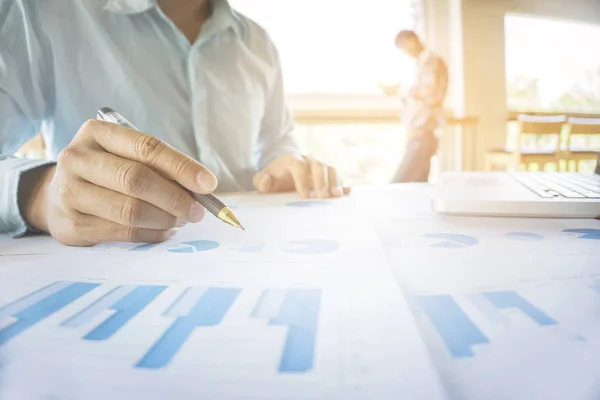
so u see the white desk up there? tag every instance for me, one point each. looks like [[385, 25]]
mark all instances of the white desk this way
[[507, 308]]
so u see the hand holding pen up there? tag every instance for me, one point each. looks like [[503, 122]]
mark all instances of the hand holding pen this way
[[116, 184]]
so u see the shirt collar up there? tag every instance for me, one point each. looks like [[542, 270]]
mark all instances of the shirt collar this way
[[223, 15], [129, 6]]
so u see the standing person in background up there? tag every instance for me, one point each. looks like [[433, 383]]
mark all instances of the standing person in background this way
[[422, 109]]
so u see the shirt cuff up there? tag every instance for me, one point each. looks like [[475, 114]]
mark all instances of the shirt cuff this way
[[284, 146], [11, 170]]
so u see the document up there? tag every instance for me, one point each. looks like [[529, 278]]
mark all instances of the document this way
[[302, 305], [509, 308]]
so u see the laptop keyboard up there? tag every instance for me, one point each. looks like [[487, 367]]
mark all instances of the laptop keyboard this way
[[566, 185]]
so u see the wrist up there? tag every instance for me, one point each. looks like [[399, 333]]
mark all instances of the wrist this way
[[33, 186]]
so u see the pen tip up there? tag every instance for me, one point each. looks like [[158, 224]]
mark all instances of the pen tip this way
[[242, 228]]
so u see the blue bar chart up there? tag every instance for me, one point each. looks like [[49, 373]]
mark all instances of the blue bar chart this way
[[455, 327], [297, 309], [31, 309], [195, 308], [511, 299], [126, 301]]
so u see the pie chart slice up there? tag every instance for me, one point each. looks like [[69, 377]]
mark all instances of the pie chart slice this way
[[452, 240], [586, 234], [526, 236], [195, 247], [313, 246]]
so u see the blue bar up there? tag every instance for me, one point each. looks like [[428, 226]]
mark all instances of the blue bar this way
[[510, 299], [300, 313], [457, 330], [269, 304], [186, 302], [195, 246], [97, 307], [44, 308], [208, 311], [126, 308], [488, 309], [27, 301]]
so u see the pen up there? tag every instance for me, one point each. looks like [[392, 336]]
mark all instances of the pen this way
[[215, 206]]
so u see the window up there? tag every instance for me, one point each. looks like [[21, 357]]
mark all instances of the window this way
[[335, 46], [334, 55], [552, 65]]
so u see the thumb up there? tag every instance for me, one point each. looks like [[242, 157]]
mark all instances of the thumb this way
[[263, 182]]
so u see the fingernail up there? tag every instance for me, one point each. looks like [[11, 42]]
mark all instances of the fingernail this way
[[172, 233], [182, 222], [196, 213], [207, 181], [338, 192]]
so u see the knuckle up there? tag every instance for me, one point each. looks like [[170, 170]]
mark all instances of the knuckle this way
[[134, 178], [177, 201], [65, 192], [132, 234], [78, 223], [67, 156], [131, 212], [181, 165], [88, 126], [148, 148]]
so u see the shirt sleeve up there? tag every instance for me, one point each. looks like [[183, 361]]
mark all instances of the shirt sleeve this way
[[275, 138], [22, 104]]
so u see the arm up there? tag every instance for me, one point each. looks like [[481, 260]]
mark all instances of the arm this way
[[275, 138], [433, 83], [22, 108]]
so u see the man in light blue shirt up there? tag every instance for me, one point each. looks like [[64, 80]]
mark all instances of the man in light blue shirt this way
[[193, 74]]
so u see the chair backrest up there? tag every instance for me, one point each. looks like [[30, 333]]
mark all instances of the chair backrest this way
[[542, 125], [584, 126], [540, 132]]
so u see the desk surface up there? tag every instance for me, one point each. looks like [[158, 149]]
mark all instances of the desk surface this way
[[507, 308]]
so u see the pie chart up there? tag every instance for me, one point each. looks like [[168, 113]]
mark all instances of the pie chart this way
[[312, 246], [194, 247], [452, 240], [587, 234], [525, 236]]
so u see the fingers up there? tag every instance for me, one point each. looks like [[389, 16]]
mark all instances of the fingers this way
[[301, 175], [149, 151], [97, 201], [320, 179], [133, 180], [87, 230], [335, 186], [263, 182]]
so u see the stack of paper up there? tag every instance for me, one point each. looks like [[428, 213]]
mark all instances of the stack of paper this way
[[302, 305], [368, 297]]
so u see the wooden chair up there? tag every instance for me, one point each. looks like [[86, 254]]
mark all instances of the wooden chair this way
[[582, 128], [538, 142]]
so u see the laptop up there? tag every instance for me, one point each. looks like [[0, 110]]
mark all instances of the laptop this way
[[521, 194]]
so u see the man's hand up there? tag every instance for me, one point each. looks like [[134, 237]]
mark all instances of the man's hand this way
[[115, 184], [302, 174]]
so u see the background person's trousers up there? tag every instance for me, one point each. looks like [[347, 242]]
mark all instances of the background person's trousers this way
[[416, 163]]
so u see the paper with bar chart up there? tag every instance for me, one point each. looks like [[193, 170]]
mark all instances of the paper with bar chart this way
[[295, 307], [508, 308]]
